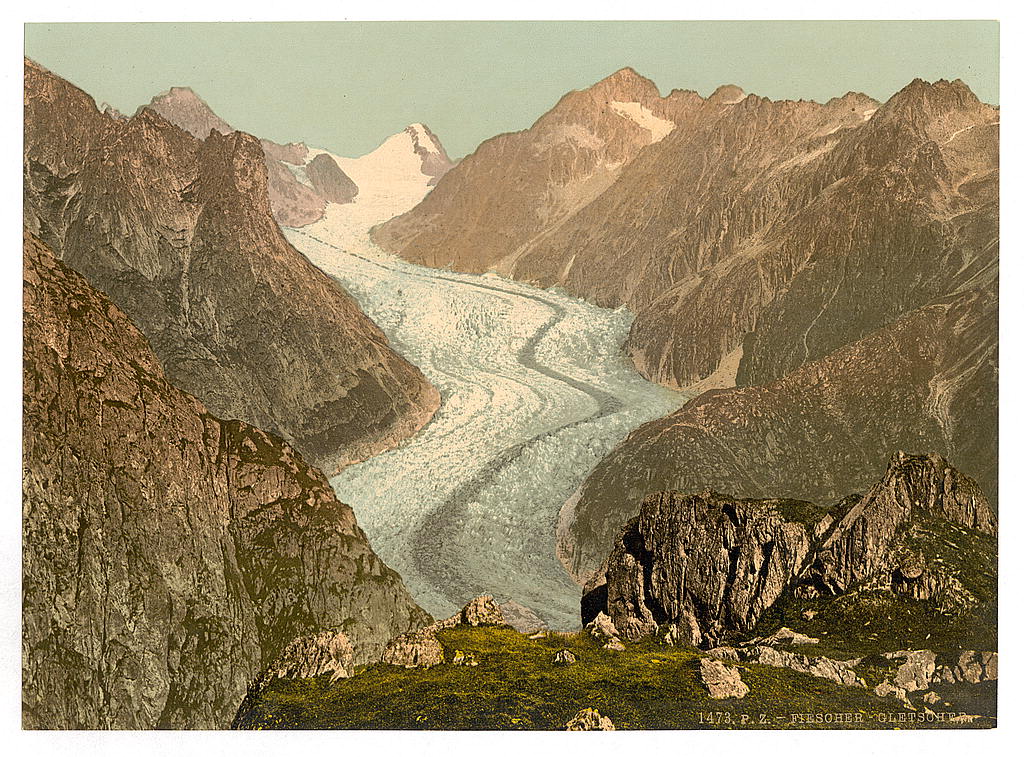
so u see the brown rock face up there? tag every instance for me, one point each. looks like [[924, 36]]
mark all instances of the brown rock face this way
[[809, 225], [926, 381], [178, 233], [515, 186], [864, 540], [707, 557], [293, 203], [329, 181], [712, 565], [185, 109], [169, 556]]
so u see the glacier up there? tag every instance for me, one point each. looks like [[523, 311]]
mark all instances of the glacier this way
[[535, 392]]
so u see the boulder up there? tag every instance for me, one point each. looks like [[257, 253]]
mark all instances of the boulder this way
[[970, 667], [839, 671], [787, 636], [602, 628], [419, 649], [564, 657], [482, 611], [464, 658], [721, 681], [589, 720]]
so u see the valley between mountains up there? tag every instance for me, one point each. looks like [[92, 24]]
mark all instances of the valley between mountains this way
[[655, 387]]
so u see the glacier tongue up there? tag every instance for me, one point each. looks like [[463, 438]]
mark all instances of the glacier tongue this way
[[535, 392]]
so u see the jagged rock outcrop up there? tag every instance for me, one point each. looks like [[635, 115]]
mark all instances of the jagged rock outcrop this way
[[294, 203], [435, 162], [589, 720], [481, 611], [169, 556], [706, 562], [721, 681], [421, 649], [185, 109], [864, 539], [712, 565], [324, 653], [178, 233]]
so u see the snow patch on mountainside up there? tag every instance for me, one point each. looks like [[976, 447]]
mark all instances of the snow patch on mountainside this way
[[636, 112]]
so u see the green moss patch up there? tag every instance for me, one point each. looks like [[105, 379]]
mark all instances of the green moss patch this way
[[516, 686]]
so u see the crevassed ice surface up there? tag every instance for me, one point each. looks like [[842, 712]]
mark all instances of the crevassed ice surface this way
[[535, 391]]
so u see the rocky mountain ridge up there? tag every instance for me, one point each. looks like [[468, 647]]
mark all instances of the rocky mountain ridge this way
[[295, 201], [711, 566], [169, 555], [178, 232]]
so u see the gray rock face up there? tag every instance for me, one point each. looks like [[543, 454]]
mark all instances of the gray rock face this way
[[329, 181], [169, 556], [589, 720], [178, 233], [839, 671], [862, 542], [712, 565], [721, 681], [706, 557], [970, 667]]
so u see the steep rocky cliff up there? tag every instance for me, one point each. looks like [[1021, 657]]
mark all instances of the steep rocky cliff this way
[[178, 233], [169, 556], [713, 565], [294, 202], [926, 381]]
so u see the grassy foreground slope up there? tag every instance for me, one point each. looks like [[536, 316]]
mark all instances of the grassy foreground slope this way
[[516, 686]]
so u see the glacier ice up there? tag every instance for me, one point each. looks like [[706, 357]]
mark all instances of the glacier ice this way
[[535, 391]]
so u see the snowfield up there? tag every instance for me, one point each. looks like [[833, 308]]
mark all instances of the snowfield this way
[[535, 391]]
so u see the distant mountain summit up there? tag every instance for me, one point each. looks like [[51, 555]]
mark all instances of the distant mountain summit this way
[[296, 200], [425, 143], [187, 110]]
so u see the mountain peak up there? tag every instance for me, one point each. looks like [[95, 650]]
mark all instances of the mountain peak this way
[[187, 110], [425, 143], [625, 84], [727, 94]]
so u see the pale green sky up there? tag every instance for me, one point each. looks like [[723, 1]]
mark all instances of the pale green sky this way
[[346, 86]]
